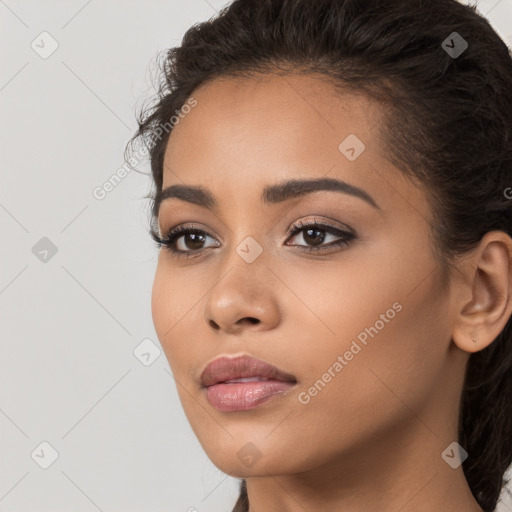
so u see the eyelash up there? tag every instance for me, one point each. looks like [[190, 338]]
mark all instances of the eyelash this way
[[176, 233]]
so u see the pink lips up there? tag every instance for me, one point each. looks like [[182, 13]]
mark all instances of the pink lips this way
[[241, 383]]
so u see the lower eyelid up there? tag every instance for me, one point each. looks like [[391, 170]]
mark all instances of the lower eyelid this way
[[342, 239], [175, 241]]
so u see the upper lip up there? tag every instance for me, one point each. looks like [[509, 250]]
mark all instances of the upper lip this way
[[227, 368]]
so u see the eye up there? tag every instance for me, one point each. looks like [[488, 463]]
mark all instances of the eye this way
[[183, 240], [189, 241], [315, 233]]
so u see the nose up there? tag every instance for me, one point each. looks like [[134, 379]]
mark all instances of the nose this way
[[243, 299]]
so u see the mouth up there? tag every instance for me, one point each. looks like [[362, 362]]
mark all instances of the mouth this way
[[242, 383]]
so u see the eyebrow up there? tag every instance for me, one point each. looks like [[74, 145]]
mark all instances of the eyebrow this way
[[272, 194]]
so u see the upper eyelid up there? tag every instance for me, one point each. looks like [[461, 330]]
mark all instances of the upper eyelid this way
[[310, 219], [301, 213], [294, 229], [332, 224]]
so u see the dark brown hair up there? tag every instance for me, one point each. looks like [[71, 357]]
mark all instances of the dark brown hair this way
[[447, 123]]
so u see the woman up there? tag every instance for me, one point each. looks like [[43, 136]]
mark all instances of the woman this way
[[333, 294]]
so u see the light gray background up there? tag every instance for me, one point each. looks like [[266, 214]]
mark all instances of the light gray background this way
[[70, 324]]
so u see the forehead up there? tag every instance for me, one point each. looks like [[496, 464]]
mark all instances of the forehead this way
[[245, 133], [272, 110]]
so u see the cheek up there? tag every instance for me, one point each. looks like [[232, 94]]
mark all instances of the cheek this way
[[386, 318], [383, 346], [161, 304], [168, 312]]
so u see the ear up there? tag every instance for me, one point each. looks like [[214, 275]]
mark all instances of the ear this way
[[484, 294]]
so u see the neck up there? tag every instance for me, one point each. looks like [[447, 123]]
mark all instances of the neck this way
[[406, 473]]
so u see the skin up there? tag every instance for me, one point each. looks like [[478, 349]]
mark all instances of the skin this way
[[372, 438]]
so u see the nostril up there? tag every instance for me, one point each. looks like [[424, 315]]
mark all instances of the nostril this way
[[213, 324]]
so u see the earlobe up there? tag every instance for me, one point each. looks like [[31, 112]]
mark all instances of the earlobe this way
[[488, 284]]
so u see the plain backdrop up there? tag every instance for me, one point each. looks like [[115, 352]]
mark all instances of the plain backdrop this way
[[90, 419]]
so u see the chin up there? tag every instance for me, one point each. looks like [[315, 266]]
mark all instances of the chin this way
[[242, 460]]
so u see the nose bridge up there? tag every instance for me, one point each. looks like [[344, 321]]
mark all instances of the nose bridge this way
[[244, 289], [245, 264], [247, 238]]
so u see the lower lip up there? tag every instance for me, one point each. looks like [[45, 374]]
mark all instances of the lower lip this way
[[242, 396]]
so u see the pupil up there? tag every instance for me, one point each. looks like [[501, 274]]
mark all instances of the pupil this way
[[315, 239], [195, 238]]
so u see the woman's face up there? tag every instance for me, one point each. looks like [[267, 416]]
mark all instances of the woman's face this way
[[363, 326]]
